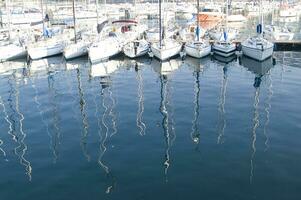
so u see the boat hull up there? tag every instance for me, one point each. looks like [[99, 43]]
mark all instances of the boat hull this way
[[132, 51], [197, 51], [11, 52], [256, 53], [166, 52], [225, 51], [45, 51], [103, 50], [75, 50]]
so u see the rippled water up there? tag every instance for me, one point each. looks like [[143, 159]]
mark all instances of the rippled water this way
[[129, 129]]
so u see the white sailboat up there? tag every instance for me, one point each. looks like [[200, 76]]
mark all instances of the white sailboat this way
[[273, 32], [106, 45], [198, 48], [104, 49], [166, 47], [78, 48], [136, 48], [278, 33], [47, 46], [128, 30], [257, 47], [152, 35], [216, 34], [224, 47], [11, 50]]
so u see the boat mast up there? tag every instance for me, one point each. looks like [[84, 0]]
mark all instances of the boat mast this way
[[227, 13], [74, 26], [198, 20], [8, 18], [42, 12], [160, 24], [135, 8], [272, 21], [97, 15], [261, 17]]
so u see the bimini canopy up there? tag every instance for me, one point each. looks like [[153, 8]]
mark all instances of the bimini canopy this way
[[101, 26], [125, 21]]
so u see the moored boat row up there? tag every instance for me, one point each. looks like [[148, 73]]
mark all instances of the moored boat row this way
[[134, 39]]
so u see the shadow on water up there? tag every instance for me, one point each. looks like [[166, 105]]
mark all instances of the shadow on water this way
[[260, 69]]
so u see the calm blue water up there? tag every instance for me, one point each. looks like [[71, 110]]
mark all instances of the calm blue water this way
[[140, 130]]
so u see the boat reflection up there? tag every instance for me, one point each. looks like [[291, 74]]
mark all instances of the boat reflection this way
[[197, 65], [15, 119], [221, 106], [104, 134], [84, 116], [267, 109], [76, 63], [14, 72], [164, 69], [223, 59], [139, 120], [104, 69], [195, 132], [42, 67], [53, 94], [260, 69], [8, 68], [107, 122], [9, 125]]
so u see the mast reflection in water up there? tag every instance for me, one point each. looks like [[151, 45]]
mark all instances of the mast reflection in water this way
[[260, 69], [107, 122], [99, 112], [165, 69]]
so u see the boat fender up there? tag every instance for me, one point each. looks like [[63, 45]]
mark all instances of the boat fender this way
[[239, 61], [259, 28], [191, 29]]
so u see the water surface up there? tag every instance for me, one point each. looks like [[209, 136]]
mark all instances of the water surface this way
[[128, 129]]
